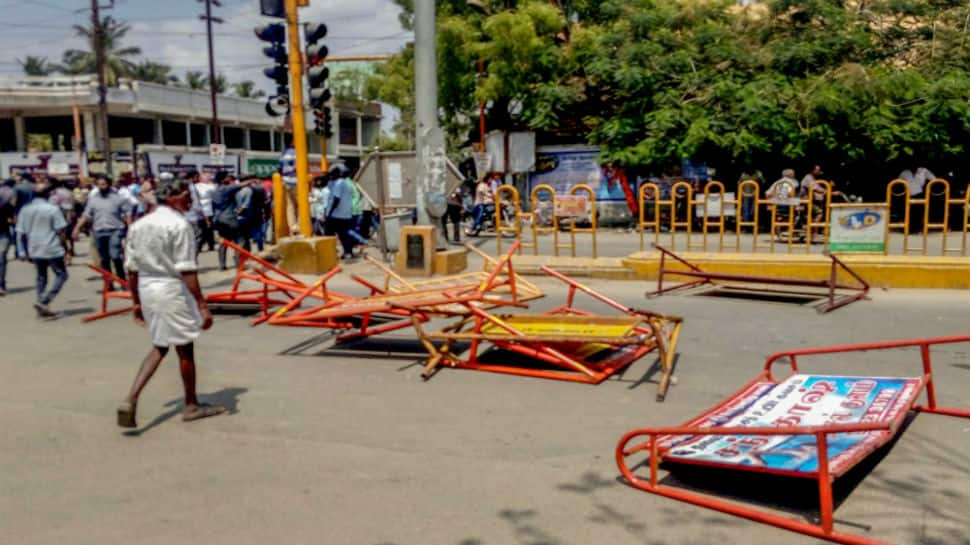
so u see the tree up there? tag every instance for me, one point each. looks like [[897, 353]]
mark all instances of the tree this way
[[222, 84], [865, 88], [36, 66], [118, 61], [247, 89], [195, 79], [153, 72]]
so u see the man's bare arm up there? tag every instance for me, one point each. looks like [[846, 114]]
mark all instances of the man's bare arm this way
[[191, 279]]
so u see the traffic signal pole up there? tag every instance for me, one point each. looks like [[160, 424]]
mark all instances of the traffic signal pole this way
[[296, 115]]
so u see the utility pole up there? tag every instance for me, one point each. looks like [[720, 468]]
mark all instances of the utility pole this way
[[296, 115], [97, 39], [209, 19], [431, 204]]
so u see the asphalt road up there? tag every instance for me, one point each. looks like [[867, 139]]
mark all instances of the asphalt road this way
[[345, 446]]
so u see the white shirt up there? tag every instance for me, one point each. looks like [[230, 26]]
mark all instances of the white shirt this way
[[206, 190], [125, 191], [161, 244]]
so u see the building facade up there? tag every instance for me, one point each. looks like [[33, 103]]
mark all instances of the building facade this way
[[57, 115]]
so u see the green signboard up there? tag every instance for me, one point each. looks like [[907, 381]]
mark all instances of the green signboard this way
[[264, 168]]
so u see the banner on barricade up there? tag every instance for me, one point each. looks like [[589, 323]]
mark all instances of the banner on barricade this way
[[570, 206], [800, 400], [858, 228]]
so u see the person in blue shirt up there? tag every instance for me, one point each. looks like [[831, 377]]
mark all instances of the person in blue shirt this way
[[340, 211], [41, 236]]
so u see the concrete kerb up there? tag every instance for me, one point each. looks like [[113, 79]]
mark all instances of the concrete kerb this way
[[880, 271]]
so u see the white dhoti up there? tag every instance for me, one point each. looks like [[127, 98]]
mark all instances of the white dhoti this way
[[170, 311]]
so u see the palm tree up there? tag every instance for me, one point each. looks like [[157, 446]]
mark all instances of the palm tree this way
[[36, 66], [222, 84], [194, 79], [154, 72], [117, 59], [247, 89]]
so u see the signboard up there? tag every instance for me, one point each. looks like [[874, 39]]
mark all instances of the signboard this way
[[564, 168], [800, 400], [53, 163], [858, 228], [262, 167], [394, 180], [715, 206], [180, 163], [570, 206], [217, 153]]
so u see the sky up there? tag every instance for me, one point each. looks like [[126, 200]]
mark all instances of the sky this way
[[170, 31]]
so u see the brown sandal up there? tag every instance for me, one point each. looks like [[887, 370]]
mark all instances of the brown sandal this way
[[126, 415], [203, 411]]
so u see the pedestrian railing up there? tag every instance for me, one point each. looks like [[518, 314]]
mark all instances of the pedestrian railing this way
[[713, 219]]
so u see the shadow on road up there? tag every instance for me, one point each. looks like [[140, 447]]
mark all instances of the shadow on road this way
[[226, 397]]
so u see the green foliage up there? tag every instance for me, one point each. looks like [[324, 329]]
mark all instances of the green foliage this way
[[866, 87], [36, 66]]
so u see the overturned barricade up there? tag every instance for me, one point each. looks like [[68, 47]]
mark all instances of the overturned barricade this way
[[400, 302], [837, 294], [268, 287], [564, 343], [814, 427]]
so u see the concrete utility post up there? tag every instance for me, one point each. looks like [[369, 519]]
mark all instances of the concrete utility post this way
[[98, 46], [430, 145]]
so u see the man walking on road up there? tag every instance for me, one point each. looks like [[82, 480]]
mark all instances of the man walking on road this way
[[109, 214], [161, 261], [340, 208], [42, 238], [8, 201]]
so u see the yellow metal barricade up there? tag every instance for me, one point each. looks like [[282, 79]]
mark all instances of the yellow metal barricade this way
[[740, 222], [943, 225], [891, 194], [706, 223], [553, 228], [500, 226], [592, 218], [649, 191], [811, 211], [964, 216], [676, 198]]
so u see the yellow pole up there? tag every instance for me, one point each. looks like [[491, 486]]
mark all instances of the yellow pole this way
[[323, 154], [296, 114]]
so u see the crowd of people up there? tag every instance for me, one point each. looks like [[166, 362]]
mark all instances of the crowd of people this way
[[42, 218]]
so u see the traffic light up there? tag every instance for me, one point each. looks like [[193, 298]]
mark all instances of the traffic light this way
[[317, 76], [275, 34]]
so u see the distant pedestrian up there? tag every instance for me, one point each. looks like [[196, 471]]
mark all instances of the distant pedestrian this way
[[453, 214], [23, 194], [319, 196], [147, 196], [161, 260], [63, 198], [109, 214], [783, 192], [8, 202], [808, 181], [226, 217], [205, 187], [340, 208], [42, 237]]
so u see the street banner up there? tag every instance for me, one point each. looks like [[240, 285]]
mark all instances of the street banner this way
[[53, 163], [858, 228], [570, 206], [800, 400], [180, 163], [564, 168]]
